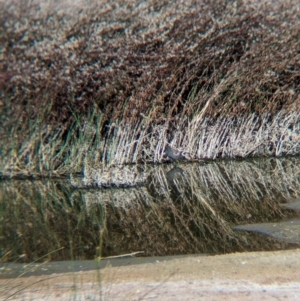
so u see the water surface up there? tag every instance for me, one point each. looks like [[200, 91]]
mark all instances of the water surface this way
[[175, 209]]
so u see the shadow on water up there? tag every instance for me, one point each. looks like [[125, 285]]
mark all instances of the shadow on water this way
[[176, 209]]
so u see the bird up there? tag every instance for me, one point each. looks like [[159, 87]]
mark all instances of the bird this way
[[175, 173], [173, 154]]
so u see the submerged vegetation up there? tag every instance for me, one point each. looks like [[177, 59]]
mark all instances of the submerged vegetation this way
[[112, 82]]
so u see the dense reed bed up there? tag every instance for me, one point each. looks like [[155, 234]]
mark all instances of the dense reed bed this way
[[84, 82]]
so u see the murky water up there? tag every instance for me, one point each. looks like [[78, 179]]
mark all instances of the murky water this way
[[175, 209]]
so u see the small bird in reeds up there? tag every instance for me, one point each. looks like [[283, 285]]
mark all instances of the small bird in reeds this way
[[174, 154]]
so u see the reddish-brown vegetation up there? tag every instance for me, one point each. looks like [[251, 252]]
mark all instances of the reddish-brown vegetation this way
[[159, 61]]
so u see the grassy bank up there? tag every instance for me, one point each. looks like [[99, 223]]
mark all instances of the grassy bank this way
[[113, 82]]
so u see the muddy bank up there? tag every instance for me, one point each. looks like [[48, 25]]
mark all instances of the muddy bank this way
[[239, 276]]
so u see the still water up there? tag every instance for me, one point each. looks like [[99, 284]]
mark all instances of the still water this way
[[170, 209]]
